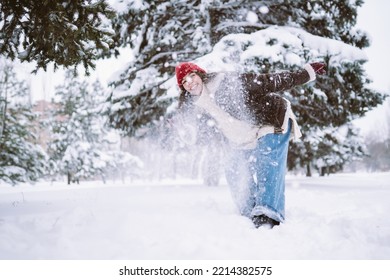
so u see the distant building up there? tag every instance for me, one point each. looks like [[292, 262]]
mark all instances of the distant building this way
[[44, 109]]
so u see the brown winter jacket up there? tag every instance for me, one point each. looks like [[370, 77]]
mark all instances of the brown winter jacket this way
[[254, 97]]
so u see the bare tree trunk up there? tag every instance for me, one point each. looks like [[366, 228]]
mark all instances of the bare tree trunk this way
[[308, 170]]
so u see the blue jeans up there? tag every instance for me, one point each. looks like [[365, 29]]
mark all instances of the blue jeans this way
[[257, 177]]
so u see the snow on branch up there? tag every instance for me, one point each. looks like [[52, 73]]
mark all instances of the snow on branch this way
[[287, 45]]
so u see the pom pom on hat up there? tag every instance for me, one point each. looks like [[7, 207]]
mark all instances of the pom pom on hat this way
[[183, 69]]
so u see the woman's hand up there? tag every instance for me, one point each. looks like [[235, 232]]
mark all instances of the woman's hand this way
[[319, 67]]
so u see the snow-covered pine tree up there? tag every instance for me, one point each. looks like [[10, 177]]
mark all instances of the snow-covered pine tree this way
[[67, 32], [378, 143], [332, 149], [21, 158], [259, 36], [160, 33], [79, 147]]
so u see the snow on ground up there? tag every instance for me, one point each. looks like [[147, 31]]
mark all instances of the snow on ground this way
[[343, 216]]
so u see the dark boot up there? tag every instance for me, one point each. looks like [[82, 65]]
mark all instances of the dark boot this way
[[263, 220]]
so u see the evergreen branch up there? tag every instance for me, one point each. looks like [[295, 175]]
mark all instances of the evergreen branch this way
[[225, 25]]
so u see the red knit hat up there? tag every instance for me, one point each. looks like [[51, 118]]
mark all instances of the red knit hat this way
[[183, 69]]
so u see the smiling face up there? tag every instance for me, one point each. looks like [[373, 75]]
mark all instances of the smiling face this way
[[193, 83]]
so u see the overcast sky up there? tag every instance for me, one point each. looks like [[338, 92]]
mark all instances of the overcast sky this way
[[374, 18]]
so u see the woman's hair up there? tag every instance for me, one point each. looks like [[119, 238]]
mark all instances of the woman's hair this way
[[185, 97]]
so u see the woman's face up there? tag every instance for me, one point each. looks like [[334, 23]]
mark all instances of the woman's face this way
[[193, 84]]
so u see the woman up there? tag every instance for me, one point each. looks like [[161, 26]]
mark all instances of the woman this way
[[257, 123]]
